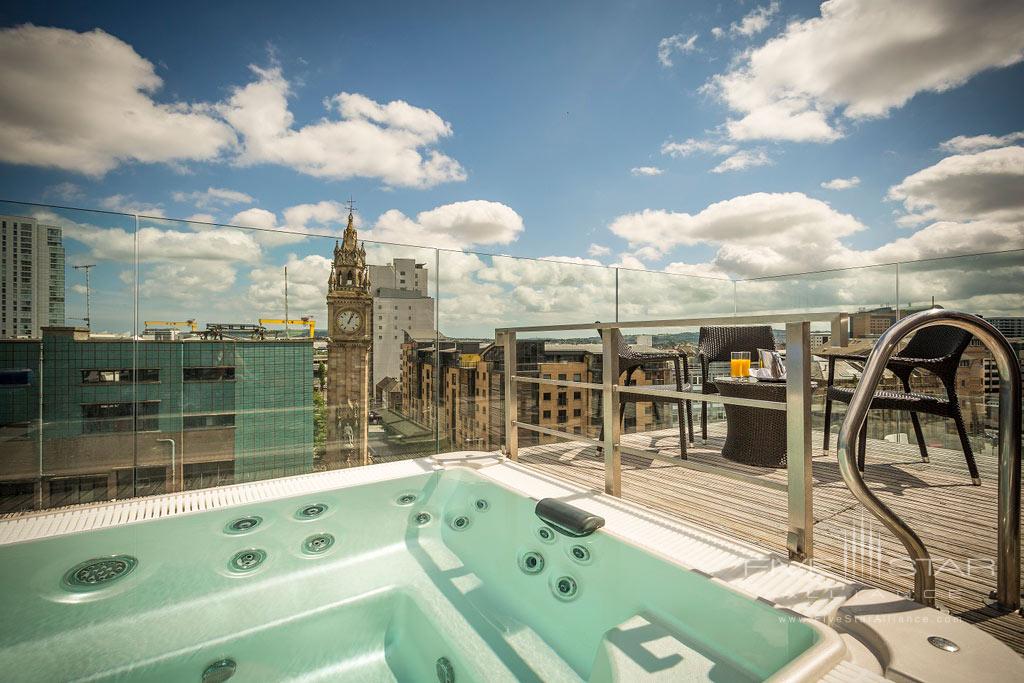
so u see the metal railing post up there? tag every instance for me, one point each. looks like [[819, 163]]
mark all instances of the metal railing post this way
[[840, 335], [610, 416], [511, 397], [799, 540]]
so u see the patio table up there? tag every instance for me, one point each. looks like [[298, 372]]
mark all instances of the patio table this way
[[754, 436]]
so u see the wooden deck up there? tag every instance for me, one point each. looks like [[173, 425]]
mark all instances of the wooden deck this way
[[956, 521]]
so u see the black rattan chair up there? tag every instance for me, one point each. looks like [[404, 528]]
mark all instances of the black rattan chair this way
[[935, 349], [631, 360], [715, 344]]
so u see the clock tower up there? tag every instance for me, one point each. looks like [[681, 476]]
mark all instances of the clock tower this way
[[349, 310]]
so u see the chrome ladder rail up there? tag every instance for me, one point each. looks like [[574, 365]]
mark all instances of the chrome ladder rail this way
[[1007, 593]]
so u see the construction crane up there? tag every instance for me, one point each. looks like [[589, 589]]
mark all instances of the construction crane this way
[[305, 320], [165, 323]]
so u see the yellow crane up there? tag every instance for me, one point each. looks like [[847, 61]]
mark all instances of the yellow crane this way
[[305, 320], [166, 323]]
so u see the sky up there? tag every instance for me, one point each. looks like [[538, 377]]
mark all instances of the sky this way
[[726, 140]]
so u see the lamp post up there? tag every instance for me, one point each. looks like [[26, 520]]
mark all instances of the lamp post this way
[[174, 469], [88, 315]]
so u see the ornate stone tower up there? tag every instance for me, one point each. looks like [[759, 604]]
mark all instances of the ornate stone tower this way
[[349, 309]]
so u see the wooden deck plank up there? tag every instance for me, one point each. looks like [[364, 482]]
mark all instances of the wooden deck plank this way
[[956, 520]]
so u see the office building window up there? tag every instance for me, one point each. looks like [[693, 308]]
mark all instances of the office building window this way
[[203, 475], [120, 376], [74, 490], [119, 416], [209, 374], [16, 496], [141, 481], [15, 378], [209, 421]]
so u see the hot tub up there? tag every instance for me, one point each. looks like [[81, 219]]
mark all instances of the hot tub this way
[[433, 569]]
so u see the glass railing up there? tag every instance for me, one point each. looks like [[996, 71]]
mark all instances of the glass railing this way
[[156, 355]]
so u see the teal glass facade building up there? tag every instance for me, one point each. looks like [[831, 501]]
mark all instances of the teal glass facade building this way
[[110, 418]]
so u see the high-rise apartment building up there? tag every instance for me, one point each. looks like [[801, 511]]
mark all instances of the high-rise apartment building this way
[[400, 306], [31, 277], [402, 273]]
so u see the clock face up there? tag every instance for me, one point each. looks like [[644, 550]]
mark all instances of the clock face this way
[[348, 321]]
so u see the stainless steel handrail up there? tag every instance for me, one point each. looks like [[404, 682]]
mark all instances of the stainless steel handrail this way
[[1008, 560], [798, 485]]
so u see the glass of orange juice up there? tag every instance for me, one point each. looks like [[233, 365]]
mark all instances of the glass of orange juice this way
[[739, 364]]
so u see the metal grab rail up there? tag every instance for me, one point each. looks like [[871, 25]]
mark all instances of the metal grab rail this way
[[1008, 560]]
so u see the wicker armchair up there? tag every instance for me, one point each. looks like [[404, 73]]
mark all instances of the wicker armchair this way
[[631, 360], [715, 344], [935, 349]]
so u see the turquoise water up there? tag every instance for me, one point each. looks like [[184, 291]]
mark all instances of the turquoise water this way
[[394, 593]]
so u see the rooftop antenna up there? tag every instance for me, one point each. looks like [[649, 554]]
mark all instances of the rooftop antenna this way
[[88, 293], [351, 204], [287, 333]]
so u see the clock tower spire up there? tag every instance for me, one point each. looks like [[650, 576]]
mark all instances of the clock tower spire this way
[[349, 309]]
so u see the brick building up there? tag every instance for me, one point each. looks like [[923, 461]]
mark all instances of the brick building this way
[[472, 391]]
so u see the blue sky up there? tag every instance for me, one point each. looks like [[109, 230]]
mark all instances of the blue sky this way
[[540, 113]]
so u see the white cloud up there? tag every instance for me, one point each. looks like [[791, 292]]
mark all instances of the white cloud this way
[[717, 32], [598, 250], [509, 291], [202, 218], [66, 191], [629, 261], [841, 183], [963, 144], [692, 145], [988, 185], [84, 102], [393, 142], [946, 238], [79, 289], [307, 287], [187, 281], [677, 43], [756, 21], [325, 218], [451, 226], [742, 160], [125, 204], [646, 170], [157, 244], [861, 59], [756, 234], [647, 253], [974, 204], [696, 269], [737, 160], [213, 196]]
